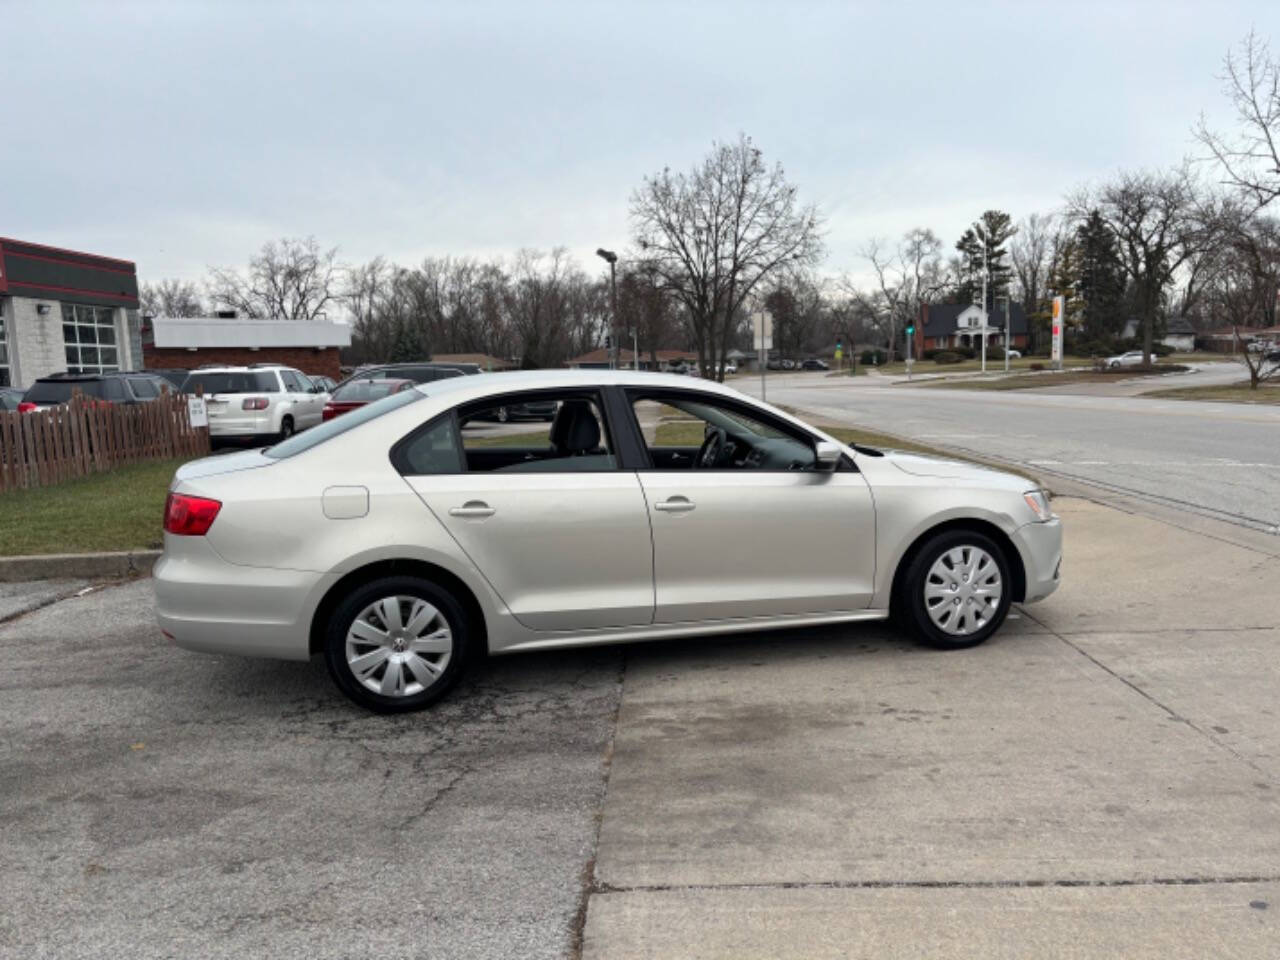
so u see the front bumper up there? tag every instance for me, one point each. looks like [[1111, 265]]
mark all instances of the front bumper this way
[[1040, 546], [206, 604]]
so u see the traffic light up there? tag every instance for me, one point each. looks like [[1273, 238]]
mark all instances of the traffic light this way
[[608, 342], [911, 330]]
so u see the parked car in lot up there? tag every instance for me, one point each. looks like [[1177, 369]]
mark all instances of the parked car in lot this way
[[261, 403], [10, 397], [1014, 354], [1131, 358], [58, 388], [814, 364], [399, 544], [354, 394], [533, 410], [327, 384], [417, 372], [175, 376]]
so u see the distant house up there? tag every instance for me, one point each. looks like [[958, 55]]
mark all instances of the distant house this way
[[185, 343], [944, 325], [599, 359], [1179, 334]]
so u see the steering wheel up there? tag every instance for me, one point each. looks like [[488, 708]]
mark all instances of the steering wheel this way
[[711, 449]]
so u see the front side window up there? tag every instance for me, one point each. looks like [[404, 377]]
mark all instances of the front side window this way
[[89, 339], [540, 432], [683, 432]]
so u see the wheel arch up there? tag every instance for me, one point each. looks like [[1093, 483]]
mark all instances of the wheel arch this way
[[397, 567], [1017, 569]]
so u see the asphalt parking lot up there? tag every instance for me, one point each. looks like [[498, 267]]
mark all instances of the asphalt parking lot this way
[[1102, 779]]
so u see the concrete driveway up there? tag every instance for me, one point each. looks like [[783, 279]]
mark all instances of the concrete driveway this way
[[1102, 779]]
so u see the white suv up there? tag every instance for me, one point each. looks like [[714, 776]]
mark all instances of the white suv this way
[[262, 403]]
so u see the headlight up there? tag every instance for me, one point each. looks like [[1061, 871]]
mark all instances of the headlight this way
[[1038, 501]]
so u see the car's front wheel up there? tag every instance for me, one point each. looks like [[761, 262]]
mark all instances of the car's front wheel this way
[[957, 590], [397, 644]]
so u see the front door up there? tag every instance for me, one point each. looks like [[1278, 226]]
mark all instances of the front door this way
[[543, 510], [743, 525]]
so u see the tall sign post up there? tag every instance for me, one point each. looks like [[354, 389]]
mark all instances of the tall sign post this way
[[762, 337], [1059, 318]]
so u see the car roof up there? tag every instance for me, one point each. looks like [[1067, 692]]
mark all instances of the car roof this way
[[485, 383], [248, 369]]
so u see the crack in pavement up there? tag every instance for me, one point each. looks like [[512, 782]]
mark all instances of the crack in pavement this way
[[1172, 713], [589, 883], [603, 888]]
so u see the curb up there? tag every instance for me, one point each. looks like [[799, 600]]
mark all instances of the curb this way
[[78, 566]]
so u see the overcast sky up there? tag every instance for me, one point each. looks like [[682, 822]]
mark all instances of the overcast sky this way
[[183, 135]]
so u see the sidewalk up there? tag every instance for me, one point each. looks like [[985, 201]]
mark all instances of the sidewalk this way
[[1097, 781]]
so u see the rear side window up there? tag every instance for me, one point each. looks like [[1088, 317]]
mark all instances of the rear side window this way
[[143, 388], [433, 449], [291, 383], [340, 425], [59, 391], [248, 381]]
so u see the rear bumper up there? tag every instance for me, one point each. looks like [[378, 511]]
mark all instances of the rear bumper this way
[[206, 604], [1040, 546], [241, 424]]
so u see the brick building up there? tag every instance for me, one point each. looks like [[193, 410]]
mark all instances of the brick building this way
[[65, 310], [311, 346], [945, 325]]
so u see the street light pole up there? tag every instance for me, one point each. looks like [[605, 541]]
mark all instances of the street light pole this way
[[612, 259]]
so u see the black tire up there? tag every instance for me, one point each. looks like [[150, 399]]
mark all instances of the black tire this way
[[344, 615], [286, 427], [911, 608], [503, 415]]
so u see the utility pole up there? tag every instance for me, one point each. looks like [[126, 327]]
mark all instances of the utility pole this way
[[1008, 329], [612, 259], [986, 273]]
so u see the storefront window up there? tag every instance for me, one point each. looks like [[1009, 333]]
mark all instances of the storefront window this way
[[90, 337]]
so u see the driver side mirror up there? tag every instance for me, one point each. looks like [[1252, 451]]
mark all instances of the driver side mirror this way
[[826, 455]]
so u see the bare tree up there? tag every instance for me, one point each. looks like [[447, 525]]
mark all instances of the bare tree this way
[[1250, 159], [908, 276], [1154, 219], [1032, 254], [171, 298], [289, 279], [1245, 286], [713, 234]]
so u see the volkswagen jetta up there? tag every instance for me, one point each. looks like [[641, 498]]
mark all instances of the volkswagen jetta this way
[[413, 533]]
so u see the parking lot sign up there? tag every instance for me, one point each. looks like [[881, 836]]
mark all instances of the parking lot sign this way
[[197, 412], [1059, 310]]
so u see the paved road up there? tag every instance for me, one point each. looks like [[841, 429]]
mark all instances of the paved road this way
[[1217, 459]]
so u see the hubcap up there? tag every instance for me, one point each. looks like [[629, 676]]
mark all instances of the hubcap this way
[[399, 646], [963, 589]]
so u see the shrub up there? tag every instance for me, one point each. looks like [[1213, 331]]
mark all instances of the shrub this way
[[995, 352], [1037, 366], [946, 356]]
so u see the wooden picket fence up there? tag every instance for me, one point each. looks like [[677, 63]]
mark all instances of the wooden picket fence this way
[[49, 446]]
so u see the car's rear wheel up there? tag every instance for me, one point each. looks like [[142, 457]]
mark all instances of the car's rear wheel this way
[[397, 644], [1115, 364], [286, 427], [957, 590]]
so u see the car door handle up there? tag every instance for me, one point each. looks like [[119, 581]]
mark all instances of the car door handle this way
[[675, 505], [472, 509]]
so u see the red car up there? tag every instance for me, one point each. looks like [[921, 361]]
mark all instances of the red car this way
[[356, 393]]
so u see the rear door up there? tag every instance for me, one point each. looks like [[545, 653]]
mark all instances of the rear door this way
[[542, 510]]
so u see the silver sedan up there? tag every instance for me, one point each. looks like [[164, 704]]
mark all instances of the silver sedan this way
[[404, 538]]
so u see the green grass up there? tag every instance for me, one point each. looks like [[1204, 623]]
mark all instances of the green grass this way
[[1233, 393], [120, 510], [1030, 381]]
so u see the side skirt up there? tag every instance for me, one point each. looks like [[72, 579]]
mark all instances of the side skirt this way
[[667, 631]]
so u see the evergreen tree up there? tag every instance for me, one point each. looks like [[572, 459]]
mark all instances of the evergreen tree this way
[[1064, 279], [982, 248], [1100, 282]]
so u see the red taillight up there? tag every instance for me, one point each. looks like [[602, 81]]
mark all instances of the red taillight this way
[[189, 516], [329, 412], [254, 403], [26, 406]]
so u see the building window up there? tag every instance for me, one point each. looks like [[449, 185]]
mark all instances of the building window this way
[[6, 375], [90, 337]]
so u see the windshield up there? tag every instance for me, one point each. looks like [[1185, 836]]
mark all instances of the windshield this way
[[364, 391], [340, 425], [248, 381]]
